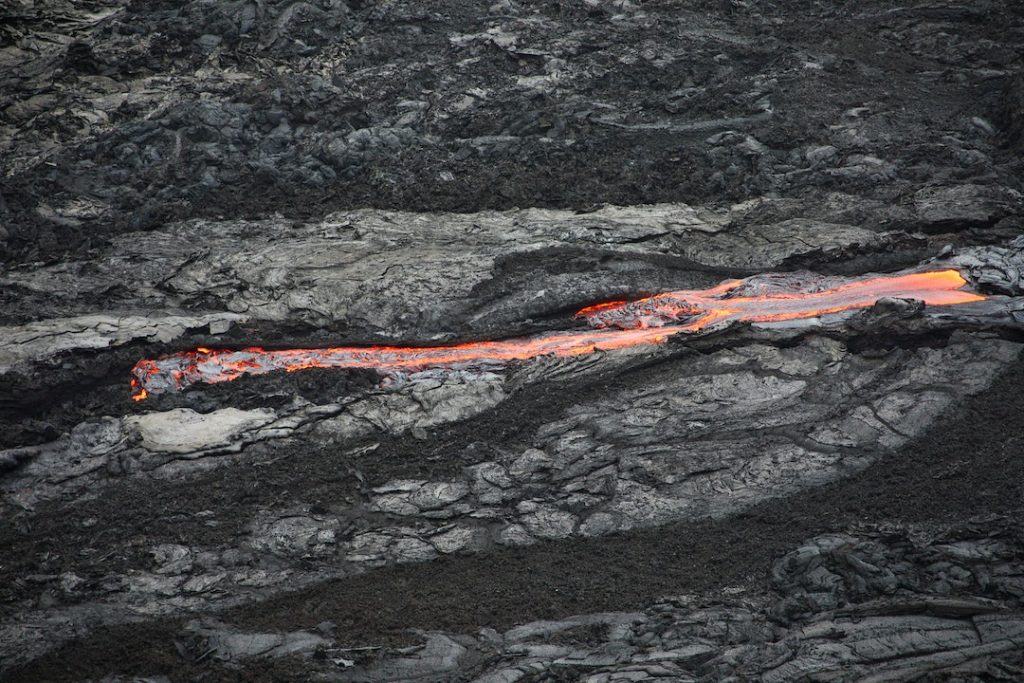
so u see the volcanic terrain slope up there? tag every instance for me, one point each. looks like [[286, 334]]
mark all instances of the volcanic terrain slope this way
[[627, 341]]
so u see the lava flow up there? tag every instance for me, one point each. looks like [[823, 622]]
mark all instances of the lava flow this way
[[773, 298], [619, 324]]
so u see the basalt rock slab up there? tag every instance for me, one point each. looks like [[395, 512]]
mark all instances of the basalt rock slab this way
[[394, 275]]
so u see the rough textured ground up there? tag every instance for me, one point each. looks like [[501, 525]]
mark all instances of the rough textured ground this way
[[836, 498]]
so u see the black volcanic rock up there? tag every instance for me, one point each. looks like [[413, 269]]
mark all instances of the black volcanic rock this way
[[828, 496]]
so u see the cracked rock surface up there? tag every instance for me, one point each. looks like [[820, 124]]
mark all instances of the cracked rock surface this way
[[826, 498], [874, 603], [410, 468]]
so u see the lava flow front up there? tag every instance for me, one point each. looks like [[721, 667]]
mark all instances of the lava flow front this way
[[621, 324]]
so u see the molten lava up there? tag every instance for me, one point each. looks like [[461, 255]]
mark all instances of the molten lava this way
[[771, 298], [619, 324]]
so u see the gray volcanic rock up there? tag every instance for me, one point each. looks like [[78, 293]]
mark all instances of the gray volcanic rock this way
[[117, 116], [889, 603], [998, 269], [829, 494], [721, 422], [414, 275], [702, 435]]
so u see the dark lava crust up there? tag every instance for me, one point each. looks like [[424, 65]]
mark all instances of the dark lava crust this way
[[837, 498], [163, 111], [970, 466]]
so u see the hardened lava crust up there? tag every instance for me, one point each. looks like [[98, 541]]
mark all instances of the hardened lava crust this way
[[597, 341]]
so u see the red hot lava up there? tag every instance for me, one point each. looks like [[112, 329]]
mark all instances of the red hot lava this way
[[773, 298], [618, 324]]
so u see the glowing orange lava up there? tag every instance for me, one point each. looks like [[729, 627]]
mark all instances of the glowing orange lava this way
[[772, 298], [619, 324]]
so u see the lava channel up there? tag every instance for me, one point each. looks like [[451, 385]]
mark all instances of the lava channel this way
[[617, 325]]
